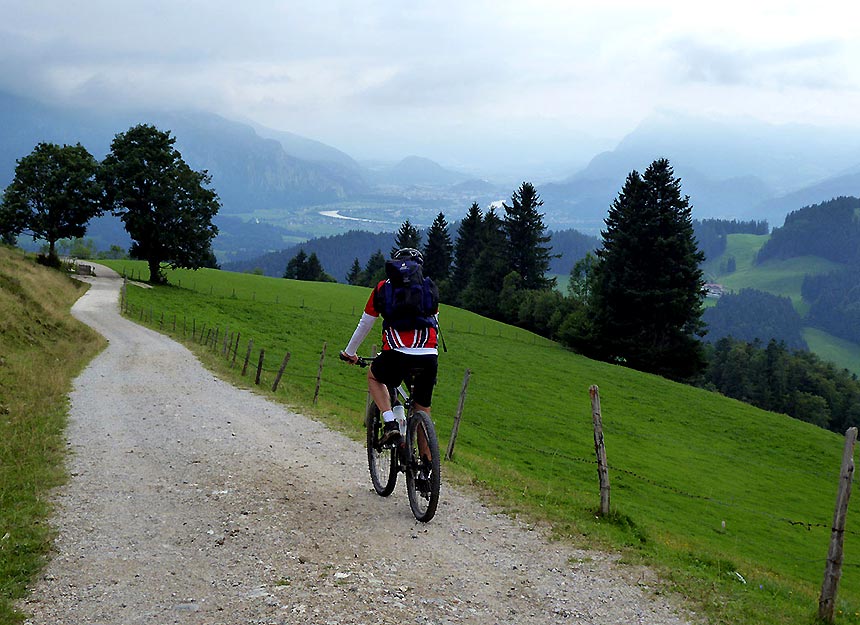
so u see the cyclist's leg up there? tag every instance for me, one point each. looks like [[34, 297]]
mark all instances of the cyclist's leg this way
[[379, 392], [422, 394]]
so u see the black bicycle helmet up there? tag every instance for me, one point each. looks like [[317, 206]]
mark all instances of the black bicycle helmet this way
[[409, 253]]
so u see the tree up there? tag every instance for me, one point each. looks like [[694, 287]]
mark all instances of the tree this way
[[647, 303], [526, 235], [466, 249], [374, 270], [166, 207], [309, 268], [581, 283], [53, 195], [354, 275], [407, 236], [296, 266], [481, 295], [438, 252]]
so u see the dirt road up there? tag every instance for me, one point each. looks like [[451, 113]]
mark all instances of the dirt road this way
[[194, 502]]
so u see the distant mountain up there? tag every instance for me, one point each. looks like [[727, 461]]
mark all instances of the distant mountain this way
[[249, 172], [846, 184], [415, 171], [730, 169]]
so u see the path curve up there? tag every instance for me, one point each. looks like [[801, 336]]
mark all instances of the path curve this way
[[191, 501]]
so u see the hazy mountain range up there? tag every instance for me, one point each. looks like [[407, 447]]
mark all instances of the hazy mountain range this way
[[730, 168]]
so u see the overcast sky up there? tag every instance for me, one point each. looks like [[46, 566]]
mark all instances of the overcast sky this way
[[452, 80]]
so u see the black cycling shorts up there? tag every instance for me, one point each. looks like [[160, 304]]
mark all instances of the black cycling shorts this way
[[391, 367]]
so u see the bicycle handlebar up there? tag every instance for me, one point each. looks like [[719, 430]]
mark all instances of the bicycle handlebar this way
[[361, 361]]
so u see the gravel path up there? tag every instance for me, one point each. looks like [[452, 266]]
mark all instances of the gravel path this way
[[192, 501]]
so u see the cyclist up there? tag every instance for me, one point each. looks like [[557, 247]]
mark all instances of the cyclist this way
[[409, 305]]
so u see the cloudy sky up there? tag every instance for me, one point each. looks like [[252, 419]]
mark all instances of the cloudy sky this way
[[453, 80]]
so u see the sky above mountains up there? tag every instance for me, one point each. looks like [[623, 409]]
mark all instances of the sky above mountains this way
[[543, 83]]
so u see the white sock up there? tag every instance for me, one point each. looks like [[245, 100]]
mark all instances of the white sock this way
[[388, 416]]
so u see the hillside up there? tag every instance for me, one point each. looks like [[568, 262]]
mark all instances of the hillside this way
[[783, 277], [42, 348], [693, 473]]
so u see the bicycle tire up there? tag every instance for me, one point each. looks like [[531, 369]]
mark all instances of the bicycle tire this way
[[423, 475], [382, 461]]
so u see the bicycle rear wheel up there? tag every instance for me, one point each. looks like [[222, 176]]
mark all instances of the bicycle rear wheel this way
[[423, 476], [381, 461]]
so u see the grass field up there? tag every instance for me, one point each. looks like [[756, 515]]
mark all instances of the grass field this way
[[41, 349], [732, 504], [783, 278]]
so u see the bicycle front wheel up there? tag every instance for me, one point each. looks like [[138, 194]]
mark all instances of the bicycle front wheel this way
[[380, 460], [423, 473]]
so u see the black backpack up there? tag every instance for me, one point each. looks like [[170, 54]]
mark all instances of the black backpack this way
[[407, 300]]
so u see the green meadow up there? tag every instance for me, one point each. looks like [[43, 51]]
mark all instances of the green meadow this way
[[785, 278], [731, 504]]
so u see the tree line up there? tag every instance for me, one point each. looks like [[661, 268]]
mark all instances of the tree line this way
[[712, 234], [792, 382], [637, 300], [166, 207]]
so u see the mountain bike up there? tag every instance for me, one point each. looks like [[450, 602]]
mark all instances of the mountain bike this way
[[416, 454]]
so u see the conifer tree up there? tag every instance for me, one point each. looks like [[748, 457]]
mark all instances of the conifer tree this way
[[354, 275], [648, 290], [296, 266], [407, 236], [466, 250], [481, 295], [526, 233], [374, 270], [438, 251]]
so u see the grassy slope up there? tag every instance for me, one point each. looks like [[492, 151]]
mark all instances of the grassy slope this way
[[684, 461], [41, 349], [783, 278]]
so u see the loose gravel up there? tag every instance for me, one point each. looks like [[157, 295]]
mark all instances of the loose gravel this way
[[191, 501]]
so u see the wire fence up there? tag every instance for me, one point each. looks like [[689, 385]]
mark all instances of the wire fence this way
[[227, 342], [473, 328]]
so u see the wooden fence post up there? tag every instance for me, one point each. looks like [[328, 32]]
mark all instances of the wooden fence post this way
[[259, 368], [247, 357], [319, 374], [235, 351], [458, 415], [833, 569], [600, 449], [280, 372]]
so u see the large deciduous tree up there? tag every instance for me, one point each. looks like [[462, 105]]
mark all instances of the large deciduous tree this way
[[166, 206], [526, 233], [53, 195], [648, 295]]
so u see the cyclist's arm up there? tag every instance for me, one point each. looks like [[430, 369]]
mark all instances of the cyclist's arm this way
[[365, 325]]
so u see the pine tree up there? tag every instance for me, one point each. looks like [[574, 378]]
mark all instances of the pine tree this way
[[354, 275], [296, 267], [438, 251], [526, 233], [407, 236], [374, 270], [481, 295], [466, 250], [647, 303]]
